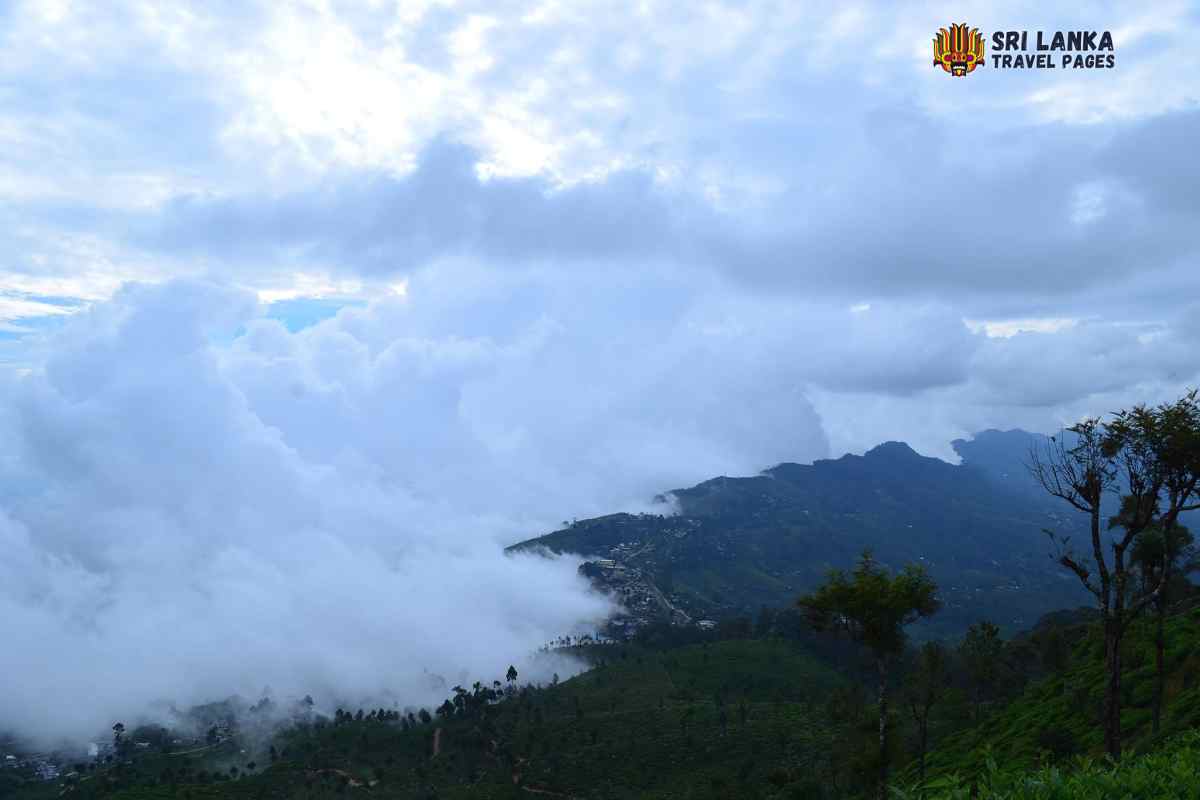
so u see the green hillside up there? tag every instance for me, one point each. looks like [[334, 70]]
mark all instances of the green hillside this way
[[1056, 718]]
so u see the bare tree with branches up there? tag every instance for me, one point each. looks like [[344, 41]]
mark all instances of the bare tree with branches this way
[[1150, 458]]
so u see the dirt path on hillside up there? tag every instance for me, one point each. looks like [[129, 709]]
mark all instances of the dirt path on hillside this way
[[204, 749], [547, 792]]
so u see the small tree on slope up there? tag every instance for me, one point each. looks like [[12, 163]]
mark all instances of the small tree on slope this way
[[874, 607]]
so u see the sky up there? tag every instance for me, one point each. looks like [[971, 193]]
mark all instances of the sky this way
[[306, 309]]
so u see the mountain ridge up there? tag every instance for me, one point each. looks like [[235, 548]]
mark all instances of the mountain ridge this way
[[738, 543]]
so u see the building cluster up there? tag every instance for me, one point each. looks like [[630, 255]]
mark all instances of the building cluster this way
[[642, 603], [38, 765]]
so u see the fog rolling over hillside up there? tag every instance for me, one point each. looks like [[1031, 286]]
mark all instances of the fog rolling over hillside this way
[[166, 537]]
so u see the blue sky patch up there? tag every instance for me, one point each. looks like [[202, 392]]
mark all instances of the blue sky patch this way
[[304, 312]]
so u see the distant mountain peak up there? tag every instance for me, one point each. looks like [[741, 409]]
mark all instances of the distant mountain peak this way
[[892, 451], [1001, 454], [1014, 439]]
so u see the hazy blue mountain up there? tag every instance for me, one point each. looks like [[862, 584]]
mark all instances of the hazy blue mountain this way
[[1002, 455]]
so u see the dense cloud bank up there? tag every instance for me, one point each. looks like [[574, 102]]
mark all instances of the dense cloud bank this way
[[167, 534]]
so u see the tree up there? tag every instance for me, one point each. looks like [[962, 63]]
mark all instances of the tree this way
[[1154, 553], [512, 673], [874, 607], [926, 683], [981, 650], [1150, 457]]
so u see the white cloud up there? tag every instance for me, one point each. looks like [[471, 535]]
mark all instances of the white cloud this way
[[16, 307], [1006, 328]]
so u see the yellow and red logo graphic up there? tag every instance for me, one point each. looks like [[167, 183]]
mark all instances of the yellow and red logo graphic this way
[[958, 49]]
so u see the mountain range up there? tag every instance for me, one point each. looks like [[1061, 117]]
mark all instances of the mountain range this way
[[731, 545]]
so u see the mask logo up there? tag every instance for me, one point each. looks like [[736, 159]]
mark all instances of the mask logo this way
[[958, 49]]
